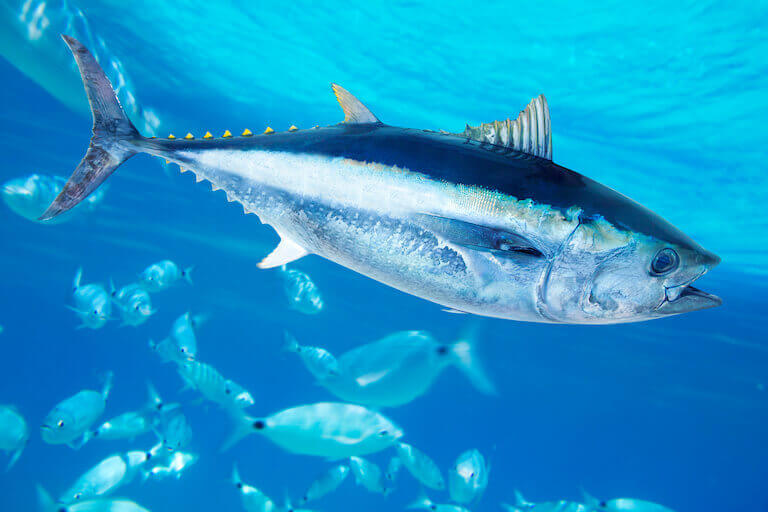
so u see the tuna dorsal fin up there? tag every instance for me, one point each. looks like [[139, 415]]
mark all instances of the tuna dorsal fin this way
[[530, 133], [354, 111], [285, 252]]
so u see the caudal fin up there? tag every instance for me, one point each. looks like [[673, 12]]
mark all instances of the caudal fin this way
[[44, 500], [290, 343], [468, 361], [187, 274], [107, 387], [244, 426], [113, 137]]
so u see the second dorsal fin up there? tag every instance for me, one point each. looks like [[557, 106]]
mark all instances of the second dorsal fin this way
[[530, 133], [354, 110]]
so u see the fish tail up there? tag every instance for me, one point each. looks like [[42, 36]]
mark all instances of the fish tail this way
[[15, 456], [114, 137], [290, 343], [520, 500], [44, 500], [244, 426], [422, 501], [107, 387], [236, 480], [78, 278], [589, 500], [155, 402], [468, 361], [187, 273]]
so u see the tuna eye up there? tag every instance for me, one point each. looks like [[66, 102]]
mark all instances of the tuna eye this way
[[665, 261]]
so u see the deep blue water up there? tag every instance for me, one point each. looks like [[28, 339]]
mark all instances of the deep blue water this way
[[665, 102]]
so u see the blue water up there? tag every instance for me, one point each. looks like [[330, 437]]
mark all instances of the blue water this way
[[664, 101]]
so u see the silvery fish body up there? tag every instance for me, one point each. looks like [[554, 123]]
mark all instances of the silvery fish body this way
[[393, 468], [181, 343], [468, 477], [326, 483], [72, 418], [93, 303], [14, 433], [549, 506], [481, 222], [213, 386], [368, 475], [325, 429], [302, 293], [253, 499], [162, 275], [132, 424], [47, 504], [320, 363], [172, 465], [105, 477], [175, 431], [632, 505], [401, 367], [134, 304], [420, 466], [29, 196], [427, 504]]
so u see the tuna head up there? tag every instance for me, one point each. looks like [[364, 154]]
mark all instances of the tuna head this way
[[639, 271]]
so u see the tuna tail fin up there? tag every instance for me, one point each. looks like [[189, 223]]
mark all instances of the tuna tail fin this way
[[44, 500], [468, 361], [187, 273], [107, 387], [113, 137], [244, 426]]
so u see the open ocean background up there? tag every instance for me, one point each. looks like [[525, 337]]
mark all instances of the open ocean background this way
[[664, 101]]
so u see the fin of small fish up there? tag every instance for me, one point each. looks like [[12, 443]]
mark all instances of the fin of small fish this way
[[354, 110], [530, 133], [286, 252]]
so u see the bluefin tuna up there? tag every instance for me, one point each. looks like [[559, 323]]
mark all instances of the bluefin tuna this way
[[481, 221]]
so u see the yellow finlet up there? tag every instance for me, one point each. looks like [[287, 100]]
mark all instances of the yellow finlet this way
[[269, 130], [247, 133], [171, 136], [182, 170], [292, 128], [167, 161], [189, 136], [153, 137], [227, 134], [207, 135]]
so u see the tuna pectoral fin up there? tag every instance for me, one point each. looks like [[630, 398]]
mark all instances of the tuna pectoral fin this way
[[477, 237], [113, 135], [285, 252]]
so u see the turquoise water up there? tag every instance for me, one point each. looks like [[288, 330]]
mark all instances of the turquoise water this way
[[664, 102]]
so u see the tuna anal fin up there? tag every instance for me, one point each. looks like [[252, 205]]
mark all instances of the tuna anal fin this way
[[530, 133], [354, 110], [285, 252]]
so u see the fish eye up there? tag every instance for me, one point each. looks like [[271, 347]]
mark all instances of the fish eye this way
[[665, 261], [227, 391], [77, 496], [183, 350], [95, 311], [258, 425], [442, 350], [384, 432], [603, 504], [60, 423]]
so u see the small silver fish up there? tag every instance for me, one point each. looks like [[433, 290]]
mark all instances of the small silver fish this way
[[302, 293], [106, 477], [132, 424], [521, 505], [207, 380], [420, 466], [252, 498], [399, 368], [92, 303], [469, 477], [181, 343], [170, 465], [47, 504], [423, 502], [326, 429], [14, 433], [393, 468], [162, 275], [133, 302], [368, 475], [623, 505], [70, 420], [326, 483], [175, 432], [320, 363]]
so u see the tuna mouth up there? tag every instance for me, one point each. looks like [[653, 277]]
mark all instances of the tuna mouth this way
[[685, 298]]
